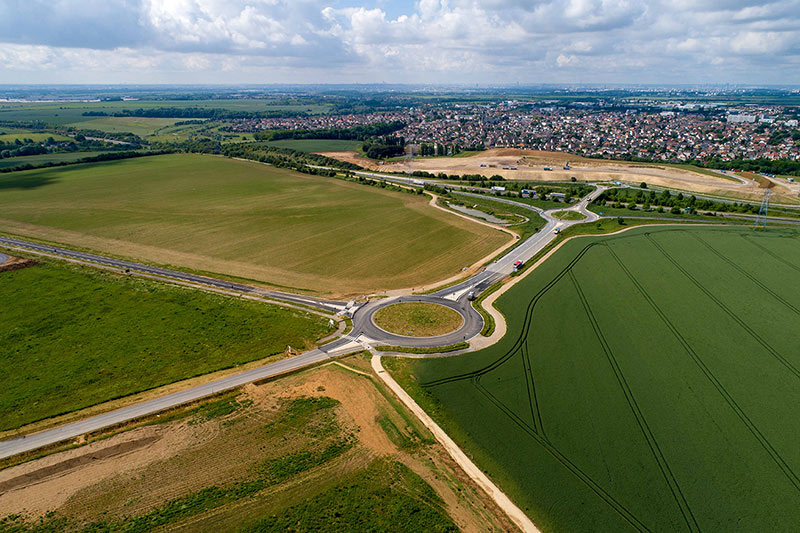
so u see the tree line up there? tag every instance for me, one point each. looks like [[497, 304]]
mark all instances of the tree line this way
[[354, 133], [675, 203]]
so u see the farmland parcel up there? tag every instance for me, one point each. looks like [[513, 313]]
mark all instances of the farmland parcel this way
[[245, 219], [73, 337], [649, 380]]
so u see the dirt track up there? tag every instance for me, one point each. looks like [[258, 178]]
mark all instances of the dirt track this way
[[530, 166]]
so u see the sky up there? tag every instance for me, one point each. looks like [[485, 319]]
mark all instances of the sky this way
[[487, 42]]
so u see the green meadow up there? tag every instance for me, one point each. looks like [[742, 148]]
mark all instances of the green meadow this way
[[73, 337]]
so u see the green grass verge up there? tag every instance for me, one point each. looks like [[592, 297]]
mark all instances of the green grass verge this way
[[525, 230], [664, 378], [76, 337], [488, 319], [437, 349]]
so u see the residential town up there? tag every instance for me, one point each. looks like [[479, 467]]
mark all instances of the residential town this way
[[667, 132]]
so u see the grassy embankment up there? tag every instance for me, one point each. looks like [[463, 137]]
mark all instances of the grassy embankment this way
[[76, 337], [523, 221], [245, 219], [665, 377], [417, 319]]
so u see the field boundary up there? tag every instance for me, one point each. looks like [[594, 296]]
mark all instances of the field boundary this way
[[477, 475]]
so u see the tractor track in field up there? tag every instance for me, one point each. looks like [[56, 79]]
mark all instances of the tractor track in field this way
[[548, 446], [712, 378], [774, 353], [746, 274], [638, 414], [771, 253]]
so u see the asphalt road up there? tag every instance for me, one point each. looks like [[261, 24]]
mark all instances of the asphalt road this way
[[133, 267], [364, 331], [457, 296]]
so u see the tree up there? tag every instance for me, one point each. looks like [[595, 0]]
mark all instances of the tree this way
[[643, 185]]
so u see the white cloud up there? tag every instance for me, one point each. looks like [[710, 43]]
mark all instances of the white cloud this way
[[427, 40]]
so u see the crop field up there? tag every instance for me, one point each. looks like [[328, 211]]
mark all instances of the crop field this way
[[648, 381], [141, 126], [321, 450], [317, 145], [245, 219], [45, 158], [76, 337]]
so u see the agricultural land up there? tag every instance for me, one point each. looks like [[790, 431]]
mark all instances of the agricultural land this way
[[648, 381], [245, 219], [76, 337]]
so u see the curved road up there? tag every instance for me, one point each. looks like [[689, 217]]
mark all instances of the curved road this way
[[363, 334]]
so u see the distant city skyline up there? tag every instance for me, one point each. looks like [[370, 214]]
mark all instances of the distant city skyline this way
[[487, 42]]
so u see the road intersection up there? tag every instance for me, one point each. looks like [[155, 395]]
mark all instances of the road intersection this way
[[363, 335]]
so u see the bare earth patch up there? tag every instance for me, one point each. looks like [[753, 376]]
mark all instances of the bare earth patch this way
[[530, 165], [136, 471]]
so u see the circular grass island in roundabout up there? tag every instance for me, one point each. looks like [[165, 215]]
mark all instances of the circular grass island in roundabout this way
[[418, 319], [569, 215]]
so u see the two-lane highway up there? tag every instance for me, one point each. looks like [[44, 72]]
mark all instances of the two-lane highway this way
[[170, 274]]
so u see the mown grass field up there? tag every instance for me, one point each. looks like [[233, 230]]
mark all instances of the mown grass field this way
[[317, 145], [74, 337], [245, 219], [648, 381], [141, 126]]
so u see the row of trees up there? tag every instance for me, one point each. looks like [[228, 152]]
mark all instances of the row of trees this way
[[384, 147], [354, 133], [439, 149], [675, 203], [213, 113]]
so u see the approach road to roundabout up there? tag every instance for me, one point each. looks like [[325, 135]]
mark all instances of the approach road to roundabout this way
[[364, 334]]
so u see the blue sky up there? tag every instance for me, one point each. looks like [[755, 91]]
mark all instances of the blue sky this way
[[423, 41]]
